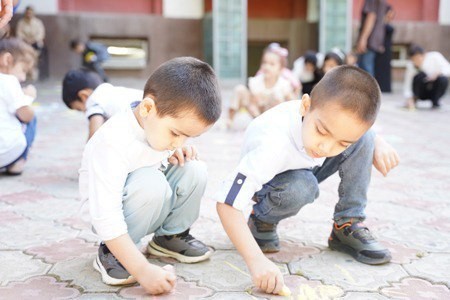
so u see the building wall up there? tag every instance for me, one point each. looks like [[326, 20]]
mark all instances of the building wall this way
[[407, 10], [168, 38], [133, 6]]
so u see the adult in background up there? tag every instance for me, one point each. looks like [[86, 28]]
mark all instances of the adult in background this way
[[93, 55], [426, 77], [371, 34], [383, 60], [31, 30]]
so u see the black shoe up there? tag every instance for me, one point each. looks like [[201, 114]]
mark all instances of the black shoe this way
[[112, 271], [355, 239], [183, 247], [265, 234]]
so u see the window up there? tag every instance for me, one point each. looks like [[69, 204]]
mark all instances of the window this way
[[126, 53]]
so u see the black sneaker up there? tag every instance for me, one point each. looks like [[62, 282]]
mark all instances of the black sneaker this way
[[355, 239], [112, 271], [183, 247], [265, 234]]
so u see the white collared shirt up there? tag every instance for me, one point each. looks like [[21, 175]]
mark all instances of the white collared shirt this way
[[118, 148], [434, 63], [272, 145]]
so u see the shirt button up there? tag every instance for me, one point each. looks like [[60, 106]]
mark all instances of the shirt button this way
[[239, 181]]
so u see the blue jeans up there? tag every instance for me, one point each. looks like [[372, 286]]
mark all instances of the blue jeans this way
[[30, 133], [288, 192], [366, 61], [164, 203]]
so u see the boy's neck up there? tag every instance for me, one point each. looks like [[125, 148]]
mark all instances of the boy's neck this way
[[137, 116]]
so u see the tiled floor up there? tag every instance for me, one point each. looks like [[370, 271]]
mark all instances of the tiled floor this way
[[47, 248]]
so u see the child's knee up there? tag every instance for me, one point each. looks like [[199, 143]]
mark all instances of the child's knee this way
[[195, 172], [305, 190], [146, 185]]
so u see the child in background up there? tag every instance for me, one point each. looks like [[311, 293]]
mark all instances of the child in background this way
[[132, 194], [333, 59], [85, 91], [266, 89], [307, 69], [287, 151], [17, 120], [93, 55]]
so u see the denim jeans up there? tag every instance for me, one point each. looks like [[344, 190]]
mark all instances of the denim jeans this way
[[366, 61], [30, 133], [164, 203], [288, 192]]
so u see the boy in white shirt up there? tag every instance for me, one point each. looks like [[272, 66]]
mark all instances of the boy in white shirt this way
[[287, 151], [17, 120], [85, 91], [130, 196], [426, 77]]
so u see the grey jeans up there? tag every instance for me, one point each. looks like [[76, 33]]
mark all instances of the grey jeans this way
[[288, 192]]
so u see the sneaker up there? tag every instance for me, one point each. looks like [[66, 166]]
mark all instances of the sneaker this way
[[183, 247], [355, 239], [265, 234], [112, 271]]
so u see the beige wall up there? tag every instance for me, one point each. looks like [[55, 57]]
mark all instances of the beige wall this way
[[167, 38], [299, 34]]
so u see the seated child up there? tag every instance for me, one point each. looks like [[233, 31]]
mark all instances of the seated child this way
[[84, 90], [132, 194], [266, 89], [291, 148], [17, 119], [307, 69]]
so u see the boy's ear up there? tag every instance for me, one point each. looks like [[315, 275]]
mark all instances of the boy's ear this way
[[306, 104], [84, 94], [6, 59], [147, 106]]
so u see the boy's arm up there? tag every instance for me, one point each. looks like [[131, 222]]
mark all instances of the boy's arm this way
[[385, 158], [95, 121], [265, 274], [154, 279], [25, 114]]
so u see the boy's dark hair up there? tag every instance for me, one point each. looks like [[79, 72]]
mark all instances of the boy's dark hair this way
[[77, 80], [74, 43], [19, 50], [415, 49], [353, 88], [185, 84]]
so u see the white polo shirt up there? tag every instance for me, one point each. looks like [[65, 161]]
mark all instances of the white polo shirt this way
[[118, 148], [272, 145], [107, 100]]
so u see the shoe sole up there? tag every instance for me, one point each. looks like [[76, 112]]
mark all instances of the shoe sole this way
[[108, 279], [157, 250], [339, 246]]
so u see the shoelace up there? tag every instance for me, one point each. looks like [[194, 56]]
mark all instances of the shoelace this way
[[185, 236], [363, 234]]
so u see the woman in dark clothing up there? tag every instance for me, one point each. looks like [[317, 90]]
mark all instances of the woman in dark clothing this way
[[383, 60]]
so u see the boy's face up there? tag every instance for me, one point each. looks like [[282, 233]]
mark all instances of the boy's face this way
[[168, 133], [417, 60], [20, 70], [78, 105], [327, 131]]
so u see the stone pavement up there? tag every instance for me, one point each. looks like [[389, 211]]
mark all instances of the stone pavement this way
[[47, 247]]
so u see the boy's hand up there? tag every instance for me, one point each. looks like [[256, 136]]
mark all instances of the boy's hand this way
[[30, 90], [385, 158], [156, 280], [186, 153], [267, 276]]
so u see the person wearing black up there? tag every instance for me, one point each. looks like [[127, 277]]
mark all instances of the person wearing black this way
[[92, 56], [383, 60]]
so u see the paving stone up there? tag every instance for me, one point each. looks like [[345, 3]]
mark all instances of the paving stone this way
[[211, 233], [99, 296], [182, 290], [17, 266], [40, 287], [45, 209], [225, 271], [420, 237], [362, 296], [302, 288], [292, 251], [402, 254], [434, 267], [417, 289], [233, 296], [63, 250], [81, 273], [10, 217], [29, 233], [18, 198], [339, 269]]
